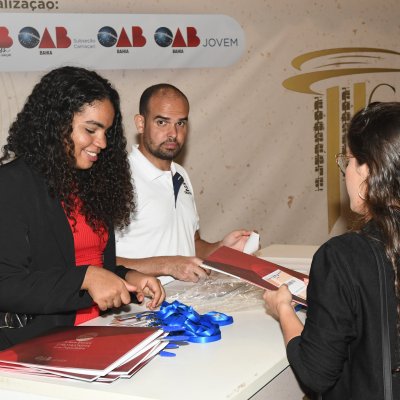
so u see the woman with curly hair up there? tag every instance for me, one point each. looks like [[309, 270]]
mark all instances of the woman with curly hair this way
[[65, 185], [349, 345]]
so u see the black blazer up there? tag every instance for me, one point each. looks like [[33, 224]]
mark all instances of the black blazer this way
[[339, 352], [38, 274]]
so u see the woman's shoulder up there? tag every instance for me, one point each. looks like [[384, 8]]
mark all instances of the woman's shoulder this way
[[16, 173], [349, 249], [350, 242], [15, 167], [355, 241], [347, 239]]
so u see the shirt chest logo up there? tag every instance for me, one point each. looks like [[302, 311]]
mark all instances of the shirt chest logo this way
[[187, 190]]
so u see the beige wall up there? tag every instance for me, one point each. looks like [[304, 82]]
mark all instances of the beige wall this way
[[251, 148]]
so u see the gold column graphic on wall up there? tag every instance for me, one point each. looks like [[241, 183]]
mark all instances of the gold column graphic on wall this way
[[334, 145], [332, 148], [359, 96], [337, 63]]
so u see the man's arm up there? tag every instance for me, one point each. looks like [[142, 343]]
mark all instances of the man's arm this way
[[235, 240], [183, 268]]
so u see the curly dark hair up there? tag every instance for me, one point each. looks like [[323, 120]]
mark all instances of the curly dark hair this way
[[41, 135], [374, 139]]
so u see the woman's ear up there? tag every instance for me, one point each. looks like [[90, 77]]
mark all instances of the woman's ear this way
[[363, 170]]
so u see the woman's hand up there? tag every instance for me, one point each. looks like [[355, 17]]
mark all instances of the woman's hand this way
[[279, 305], [275, 300], [106, 289], [146, 286]]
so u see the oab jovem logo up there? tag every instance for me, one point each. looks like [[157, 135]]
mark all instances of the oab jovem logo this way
[[336, 102]]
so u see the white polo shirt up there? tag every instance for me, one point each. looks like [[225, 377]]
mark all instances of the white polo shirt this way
[[158, 227]]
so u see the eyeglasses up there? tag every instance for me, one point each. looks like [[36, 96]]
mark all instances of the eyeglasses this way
[[342, 160]]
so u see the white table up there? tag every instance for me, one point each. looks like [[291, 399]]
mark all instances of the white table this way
[[297, 257], [250, 360]]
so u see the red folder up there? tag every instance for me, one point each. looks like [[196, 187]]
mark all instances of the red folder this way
[[257, 271], [86, 352]]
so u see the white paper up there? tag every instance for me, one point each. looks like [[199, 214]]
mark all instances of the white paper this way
[[252, 244]]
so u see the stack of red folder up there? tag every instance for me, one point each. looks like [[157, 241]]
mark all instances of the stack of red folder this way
[[88, 353]]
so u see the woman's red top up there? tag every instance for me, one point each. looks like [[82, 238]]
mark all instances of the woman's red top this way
[[89, 249]]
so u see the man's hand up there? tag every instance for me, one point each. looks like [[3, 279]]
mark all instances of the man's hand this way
[[185, 268], [106, 289], [146, 286], [236, 239]]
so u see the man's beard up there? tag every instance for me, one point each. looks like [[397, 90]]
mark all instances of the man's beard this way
[[158, 152]]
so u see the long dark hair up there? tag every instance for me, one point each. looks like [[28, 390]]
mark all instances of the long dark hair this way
[[41, 134], [374, 139]]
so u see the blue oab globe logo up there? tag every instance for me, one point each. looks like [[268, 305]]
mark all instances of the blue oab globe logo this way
[[107, 36], [29, 37], [163, 37]]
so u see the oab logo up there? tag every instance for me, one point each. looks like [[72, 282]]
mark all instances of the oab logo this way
[[30, 38], [5, 39], [87, 336], [43, 358], [164, 37], [108, 37]]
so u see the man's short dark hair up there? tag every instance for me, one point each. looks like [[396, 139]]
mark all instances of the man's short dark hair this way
[[151, 91]]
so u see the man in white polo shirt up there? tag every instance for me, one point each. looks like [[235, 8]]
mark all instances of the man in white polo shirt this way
[[163, 238]]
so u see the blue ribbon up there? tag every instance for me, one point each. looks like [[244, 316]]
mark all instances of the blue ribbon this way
[[219, 318], [177, 317]]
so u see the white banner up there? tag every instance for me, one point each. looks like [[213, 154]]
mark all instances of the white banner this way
[[35, 42]]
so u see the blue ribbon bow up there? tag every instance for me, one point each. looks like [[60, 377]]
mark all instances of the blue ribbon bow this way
[[177, 317]]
